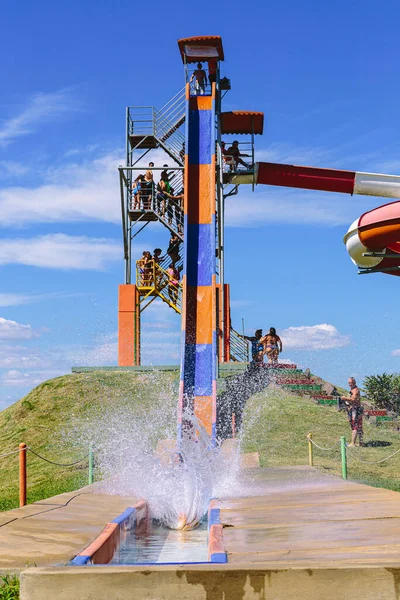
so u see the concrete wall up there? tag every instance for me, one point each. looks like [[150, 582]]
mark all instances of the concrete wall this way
[[205, 582]]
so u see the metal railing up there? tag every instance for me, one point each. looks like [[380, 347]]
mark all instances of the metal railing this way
[[163, 124], [168, 208], [154, 280], [239, 347], [232, 164]]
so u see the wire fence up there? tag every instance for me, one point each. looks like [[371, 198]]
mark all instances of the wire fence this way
[[23, 451]]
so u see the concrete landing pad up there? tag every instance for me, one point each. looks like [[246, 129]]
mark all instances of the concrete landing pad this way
[[295, 533], [311, 520], [54, 530]]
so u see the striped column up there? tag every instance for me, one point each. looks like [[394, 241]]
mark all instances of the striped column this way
[[197, 394], [328, 180]]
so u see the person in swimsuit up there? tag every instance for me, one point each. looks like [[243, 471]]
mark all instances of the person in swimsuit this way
[[272, 344], [147, 188], [136, 189], [173, 286], [256, 346], [236, 154], [355, 412], [200, 80], [144, 266]]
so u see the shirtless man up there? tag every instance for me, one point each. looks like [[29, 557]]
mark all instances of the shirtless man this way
[[200, 79], [355, 412]]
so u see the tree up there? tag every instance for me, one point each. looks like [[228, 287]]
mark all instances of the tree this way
[[383, 390]]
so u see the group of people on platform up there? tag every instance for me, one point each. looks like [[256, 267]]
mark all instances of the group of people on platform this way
[[155, 270], [269, 345], [160, 197]]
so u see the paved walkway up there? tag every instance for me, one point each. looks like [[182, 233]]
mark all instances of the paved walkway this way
[[301, 518], [53, 531]]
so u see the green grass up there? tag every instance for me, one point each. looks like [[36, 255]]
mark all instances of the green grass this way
[[277, 423], [54, 419], [9, 587]]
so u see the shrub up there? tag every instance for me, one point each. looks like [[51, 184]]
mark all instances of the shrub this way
[[383, 390]]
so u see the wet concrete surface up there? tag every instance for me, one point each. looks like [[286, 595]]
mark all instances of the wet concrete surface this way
[[299, 517], [53, 531]]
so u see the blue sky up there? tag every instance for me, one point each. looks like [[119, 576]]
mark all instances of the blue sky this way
[[323, 75]]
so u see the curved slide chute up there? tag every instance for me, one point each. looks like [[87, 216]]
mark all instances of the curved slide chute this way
[[373, 240]]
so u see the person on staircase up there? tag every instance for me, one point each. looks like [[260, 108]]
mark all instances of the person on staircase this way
[[173, 285], [200, 80], [145, 266], [173, 248], [256, 346], [272, 345], [136, 189], [159, 274], [147, 188]]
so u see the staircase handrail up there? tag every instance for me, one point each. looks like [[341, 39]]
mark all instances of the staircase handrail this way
[[239, 346]]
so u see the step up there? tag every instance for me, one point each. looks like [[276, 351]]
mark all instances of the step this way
[[280, 372], [295, 381], [310, 388], [327, 402], [280, 366]]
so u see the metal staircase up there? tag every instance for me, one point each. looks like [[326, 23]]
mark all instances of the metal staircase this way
[[153, 281], [149, 127]]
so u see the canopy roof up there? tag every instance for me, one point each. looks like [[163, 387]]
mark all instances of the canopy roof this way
[[239, 121], [201, 48]]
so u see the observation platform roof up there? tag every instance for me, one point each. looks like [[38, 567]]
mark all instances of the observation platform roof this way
[[200, 48], [242, 122]]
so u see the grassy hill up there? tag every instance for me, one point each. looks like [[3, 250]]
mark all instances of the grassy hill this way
[[59, 419], [276, 425]]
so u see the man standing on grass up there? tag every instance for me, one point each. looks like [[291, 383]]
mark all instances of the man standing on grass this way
[[355, 412]]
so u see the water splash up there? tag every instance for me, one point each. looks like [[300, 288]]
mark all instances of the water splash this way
[[132, 460]]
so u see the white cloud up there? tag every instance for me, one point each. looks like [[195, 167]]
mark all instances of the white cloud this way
[[9, 299], [81, 191], [282, 152], [11, 330], [60, 251], [295, 207], [41, 108], [314, 337], [396, 352], [22, 357], [17, 378], [10, 168]]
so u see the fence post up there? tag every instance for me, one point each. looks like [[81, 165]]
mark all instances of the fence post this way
[[310, 450], [22, 474], [91, 466], [344, 456]]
